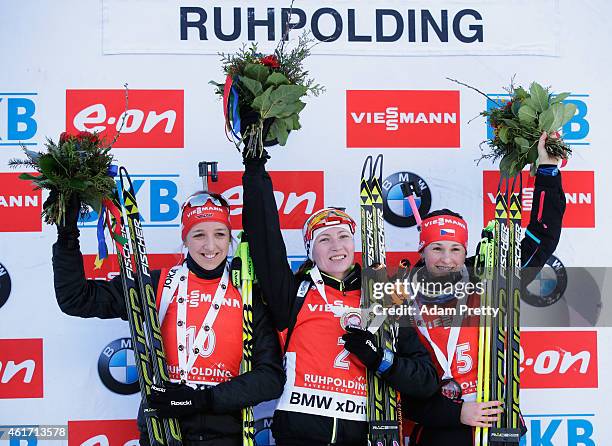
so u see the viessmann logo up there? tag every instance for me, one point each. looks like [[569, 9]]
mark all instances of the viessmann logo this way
[[297, 194], [402, 118], [579, 188], [558, 359], [154, 119], [20, 205], [21, 368]]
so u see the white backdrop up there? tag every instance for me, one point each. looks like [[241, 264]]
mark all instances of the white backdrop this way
[[55, 53]]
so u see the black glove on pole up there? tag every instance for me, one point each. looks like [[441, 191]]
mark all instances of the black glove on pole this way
[[173, 400], [362, 344]]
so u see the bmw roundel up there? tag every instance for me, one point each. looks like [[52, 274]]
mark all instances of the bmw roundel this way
[[397, 210], [548, 286], [5, 285], [117, 367]]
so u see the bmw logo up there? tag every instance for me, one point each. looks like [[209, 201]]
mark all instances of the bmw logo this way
[[117, 368], [263, 432], [397, 209], [548, 286], [5, 285]]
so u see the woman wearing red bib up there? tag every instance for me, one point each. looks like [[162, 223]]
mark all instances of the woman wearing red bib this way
[[450, 415], [201, 323], [324, 400]]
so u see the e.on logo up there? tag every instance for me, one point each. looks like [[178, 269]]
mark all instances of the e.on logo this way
[[21, 368], [154, 119], [20, 205], [402, 118], [579, 188], [558, 359], [297, 194], [103, 433]]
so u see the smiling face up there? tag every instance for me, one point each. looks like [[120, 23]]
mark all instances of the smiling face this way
[[443, 257], [208, 244], [333, 252]]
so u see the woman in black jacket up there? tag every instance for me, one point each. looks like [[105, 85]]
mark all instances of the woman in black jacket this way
[[324, 397], [449, 416], [208, 391]]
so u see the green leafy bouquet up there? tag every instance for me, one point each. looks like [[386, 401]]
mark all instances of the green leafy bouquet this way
[[262, 94], [77, 164], [518, 124]]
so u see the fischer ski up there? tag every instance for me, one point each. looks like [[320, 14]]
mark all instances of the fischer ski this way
[[382, 400], [499, 265], [142, 313]]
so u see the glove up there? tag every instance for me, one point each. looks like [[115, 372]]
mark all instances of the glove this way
[[67, 231], [174, 400], [250, 117], [362, 344]]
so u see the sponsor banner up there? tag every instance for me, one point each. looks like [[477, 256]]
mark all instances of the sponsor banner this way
[[559, 359], [154, 119], [402, 118], [21, 368], [361, 27], [20, 204], [559, 429], [18, 125], [575, 131], [110, 267], [579, 188], [298, 194], [103, 433]]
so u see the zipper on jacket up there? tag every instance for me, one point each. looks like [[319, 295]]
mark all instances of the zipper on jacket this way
[[334, 433]]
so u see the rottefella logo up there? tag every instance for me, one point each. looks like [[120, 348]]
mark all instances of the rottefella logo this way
[[21, 368], [154, 119], [20, 205], [103, 433], [548, 286], [117, 367], [5, 285], [397, 209], [402, 118], [17, 119]]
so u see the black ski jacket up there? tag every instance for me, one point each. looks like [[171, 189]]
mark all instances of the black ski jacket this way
[[412, 372], [77, 296], [438, 417]]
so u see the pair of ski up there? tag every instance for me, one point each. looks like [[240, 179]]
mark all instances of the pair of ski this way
[[382, 399], [143, 319], [498, 265]]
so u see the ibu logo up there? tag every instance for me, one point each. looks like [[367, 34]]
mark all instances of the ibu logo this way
[[575, 132], [18, 119], [157, 197]]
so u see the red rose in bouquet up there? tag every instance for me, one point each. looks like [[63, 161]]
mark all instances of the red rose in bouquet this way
[[270, 61]]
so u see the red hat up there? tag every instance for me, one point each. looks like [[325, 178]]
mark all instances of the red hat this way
[[443, 227], [202, 207]]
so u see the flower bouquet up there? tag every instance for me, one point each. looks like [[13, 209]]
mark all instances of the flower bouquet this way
[[262, 94], [518, 123], [77, 164]]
